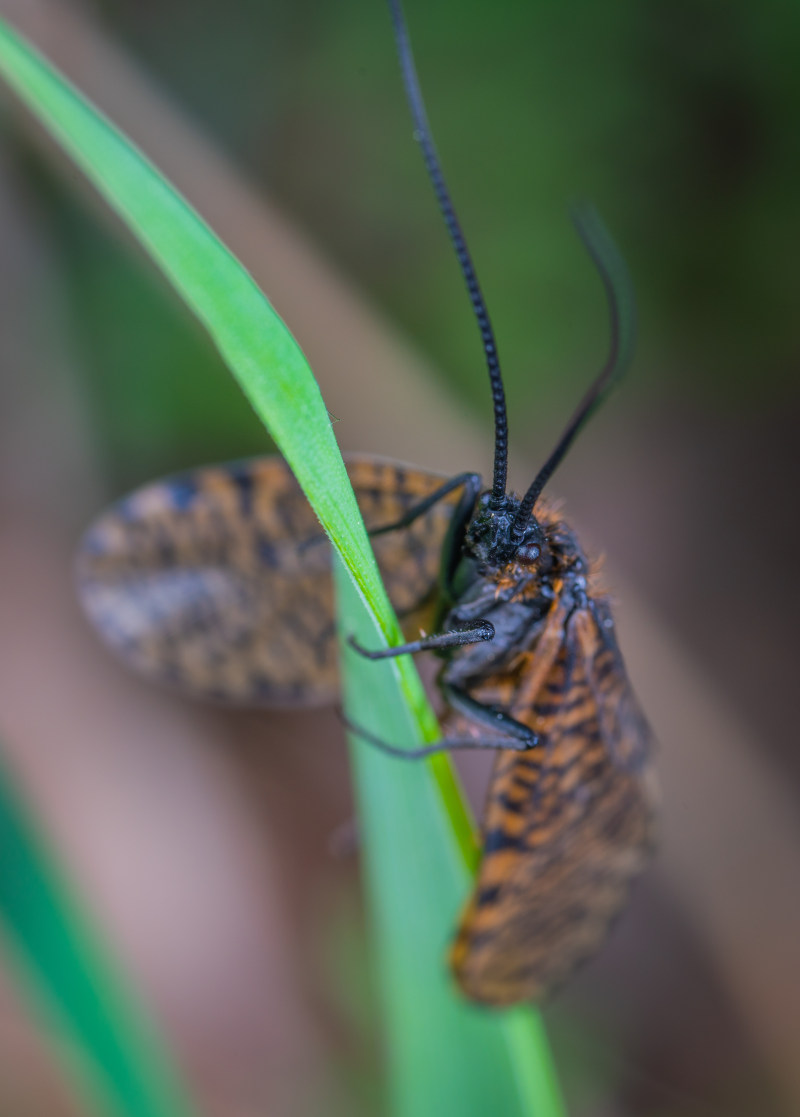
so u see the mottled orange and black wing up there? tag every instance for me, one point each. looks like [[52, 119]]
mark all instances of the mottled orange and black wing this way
[[567, 828], [623, 726], [218, 581]]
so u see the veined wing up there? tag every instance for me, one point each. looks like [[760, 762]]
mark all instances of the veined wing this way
[[218, 581], [567, 828], [623, 726]]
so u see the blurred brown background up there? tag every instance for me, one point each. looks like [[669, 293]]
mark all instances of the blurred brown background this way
[[199, 839]]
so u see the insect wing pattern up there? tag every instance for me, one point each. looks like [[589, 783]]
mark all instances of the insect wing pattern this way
[[218, 581], [568, 825]]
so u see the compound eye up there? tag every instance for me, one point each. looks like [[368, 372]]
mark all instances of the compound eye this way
[[528, 554]]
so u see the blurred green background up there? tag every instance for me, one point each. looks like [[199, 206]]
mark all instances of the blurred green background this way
[[680, 121]]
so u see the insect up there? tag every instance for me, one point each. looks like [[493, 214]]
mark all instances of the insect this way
[[212, 581]]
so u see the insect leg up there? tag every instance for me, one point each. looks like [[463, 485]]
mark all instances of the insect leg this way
[[475, 634], [456, 529], [471, 482], [447, 744], [488, 716]]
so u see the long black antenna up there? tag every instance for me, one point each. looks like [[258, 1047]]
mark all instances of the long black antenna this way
[[622, 310], [422, 134]]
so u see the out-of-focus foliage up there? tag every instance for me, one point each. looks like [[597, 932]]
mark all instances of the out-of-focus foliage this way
[[112, 1049], [679, 120], [675, 119]]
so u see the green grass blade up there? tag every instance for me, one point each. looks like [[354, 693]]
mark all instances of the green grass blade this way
[[251, 337], [115, 1054], [446, 1056], [417, 831]]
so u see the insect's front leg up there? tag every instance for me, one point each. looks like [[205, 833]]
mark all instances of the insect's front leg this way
[[471, 484]]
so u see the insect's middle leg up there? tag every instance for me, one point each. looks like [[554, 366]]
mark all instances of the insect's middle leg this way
[[474, 634]]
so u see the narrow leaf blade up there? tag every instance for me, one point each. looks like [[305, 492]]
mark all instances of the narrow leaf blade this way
[[446, 1055], [121, 1063]]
